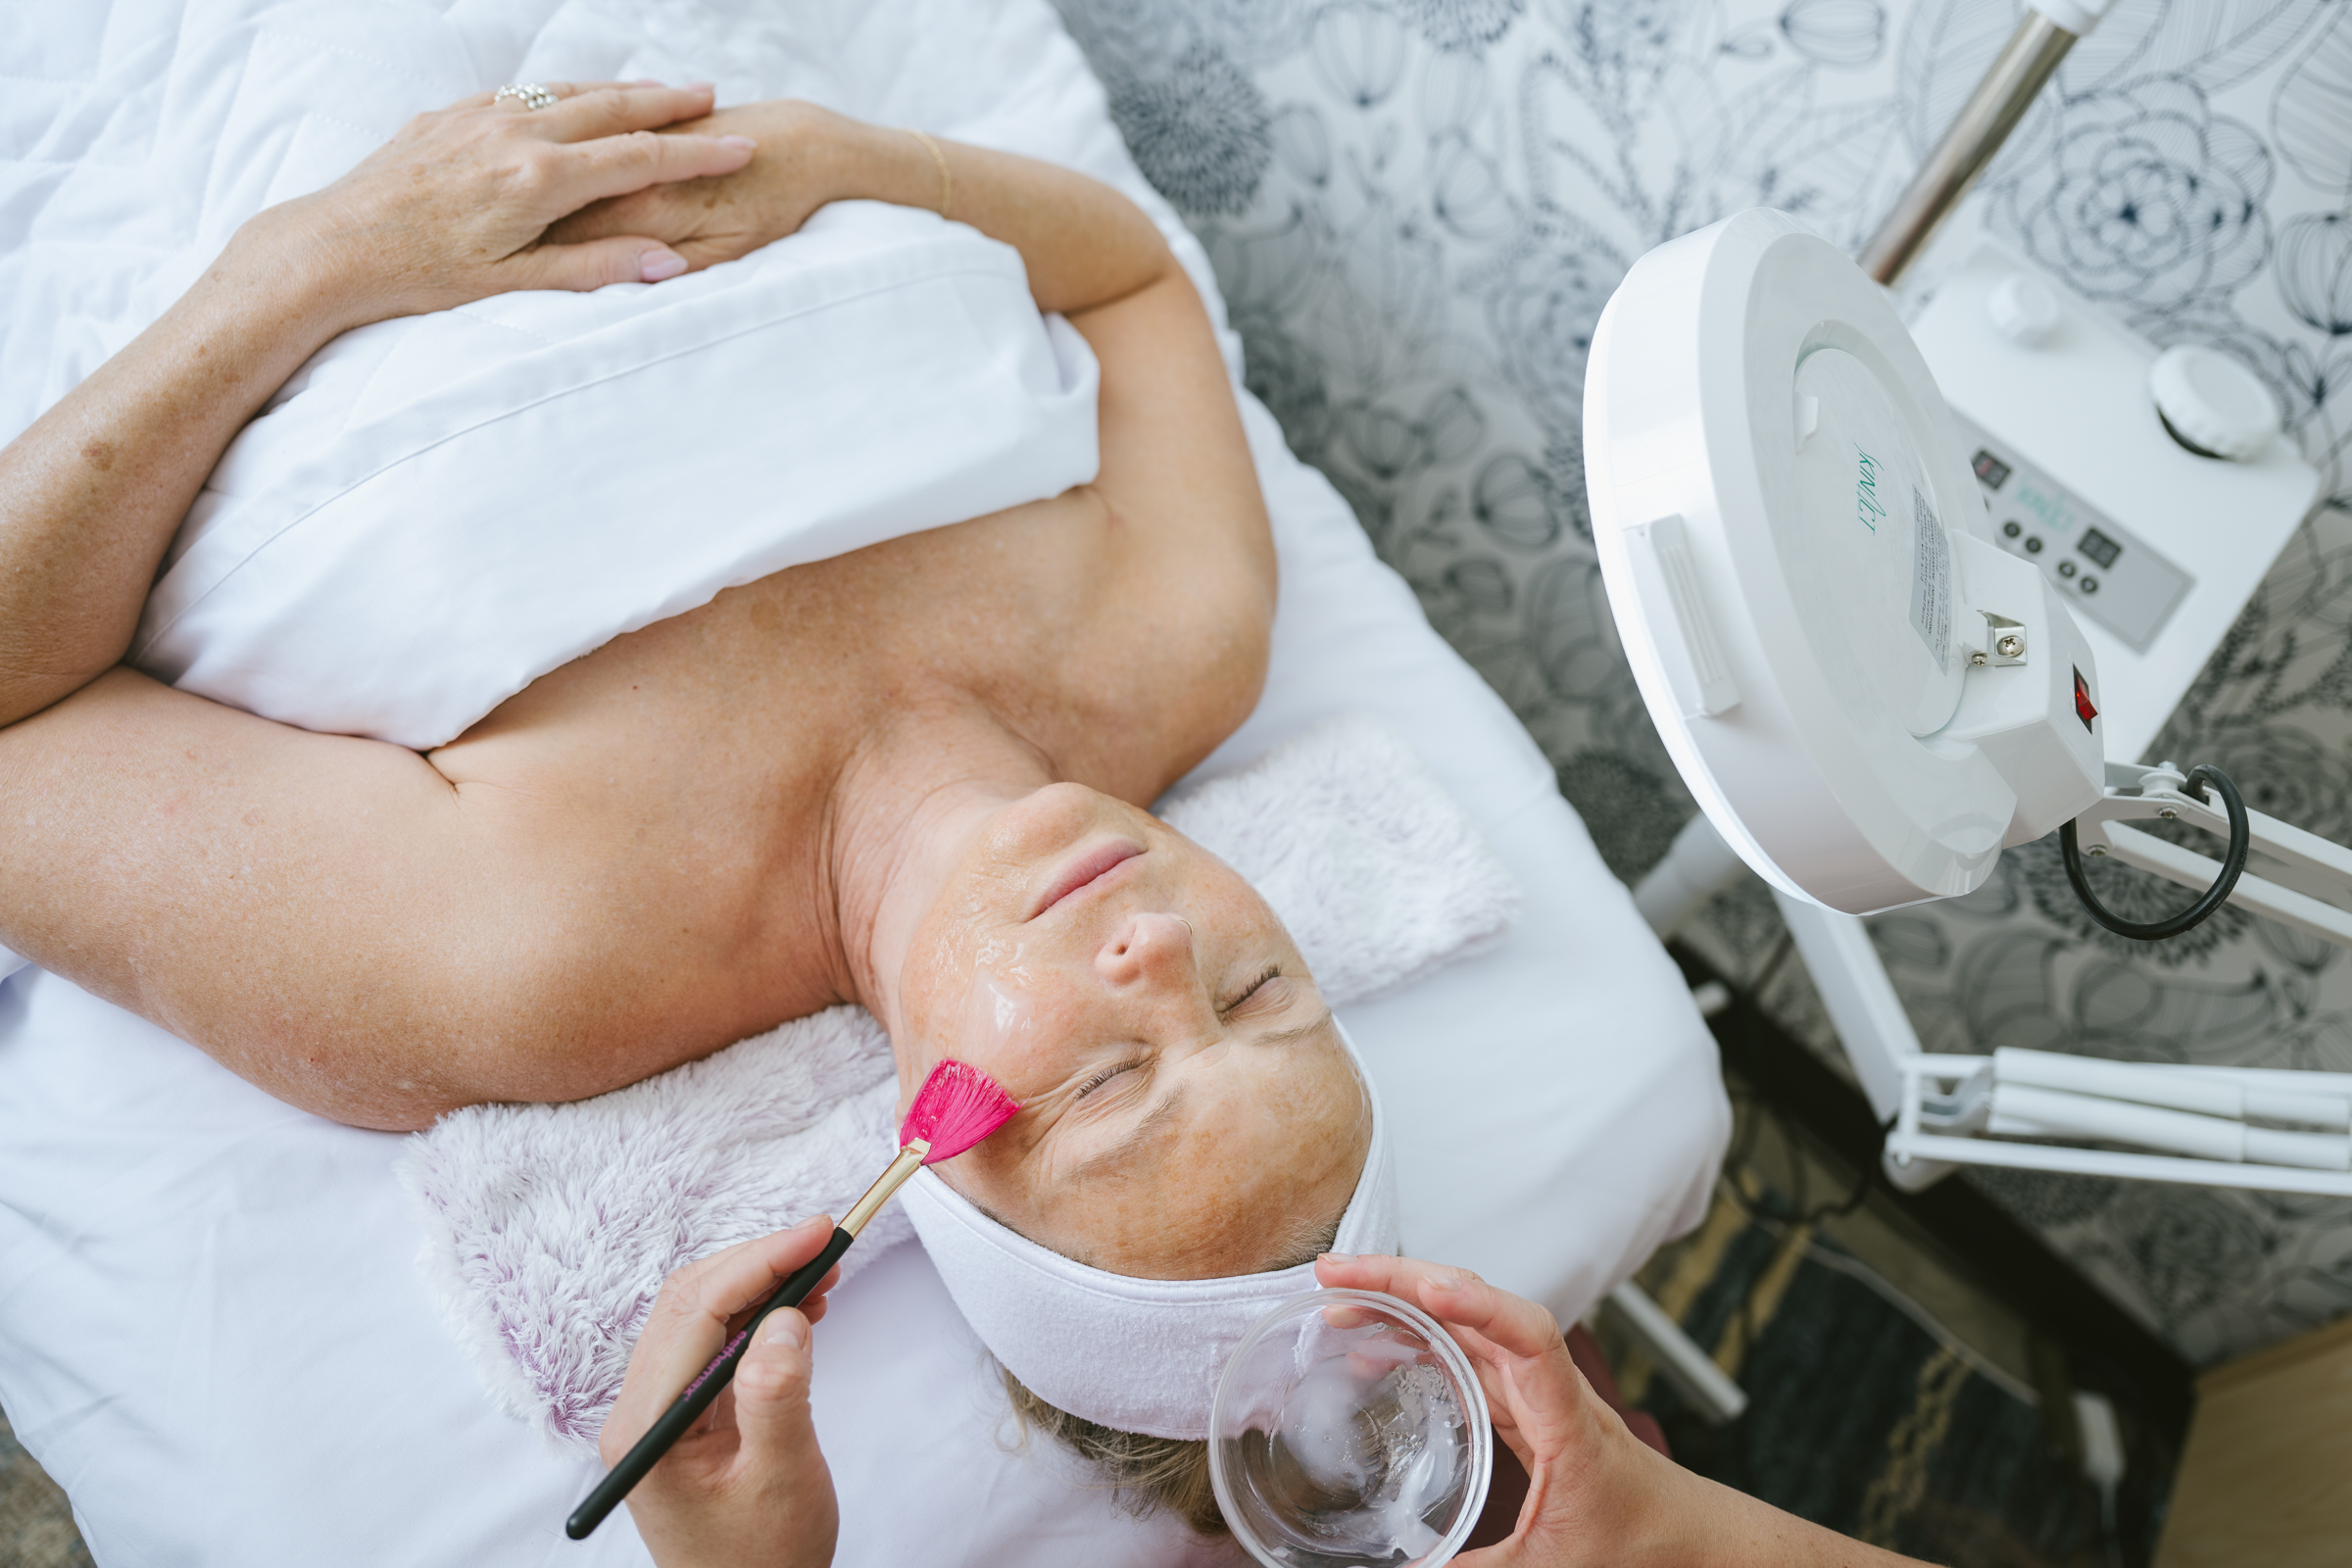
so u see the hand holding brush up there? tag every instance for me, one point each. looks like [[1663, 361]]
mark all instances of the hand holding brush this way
[[749, 1484], [957, 1106]]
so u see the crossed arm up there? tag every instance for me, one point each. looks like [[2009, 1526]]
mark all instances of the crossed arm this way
[[318, 912], [169, 854]]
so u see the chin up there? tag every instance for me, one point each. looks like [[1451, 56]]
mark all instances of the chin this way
[[1053, 818]]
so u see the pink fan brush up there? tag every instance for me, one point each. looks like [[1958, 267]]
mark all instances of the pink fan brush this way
[[957, 1105]]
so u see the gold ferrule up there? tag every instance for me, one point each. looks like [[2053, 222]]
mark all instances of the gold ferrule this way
[[909, 1161]]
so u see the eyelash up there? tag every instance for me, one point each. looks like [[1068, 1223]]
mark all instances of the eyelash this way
[[1273, 971], [1105, 1076]]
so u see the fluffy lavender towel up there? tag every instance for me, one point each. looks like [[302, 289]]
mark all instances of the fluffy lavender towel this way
[[548, 1228]]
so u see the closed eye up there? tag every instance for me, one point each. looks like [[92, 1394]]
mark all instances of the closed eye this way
[[1107, 1075], [1273, 971]]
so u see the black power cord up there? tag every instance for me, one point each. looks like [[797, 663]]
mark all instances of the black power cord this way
[[2233, 863]]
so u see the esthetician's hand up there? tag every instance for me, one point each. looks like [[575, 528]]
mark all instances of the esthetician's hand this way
[[1596, 1493], [457, 204], [748, 1484]]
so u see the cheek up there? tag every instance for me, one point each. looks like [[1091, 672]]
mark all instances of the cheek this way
[[1027, 1035], [1306, 1096]]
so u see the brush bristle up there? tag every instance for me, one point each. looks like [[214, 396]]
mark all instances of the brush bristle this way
[[957, 1105]]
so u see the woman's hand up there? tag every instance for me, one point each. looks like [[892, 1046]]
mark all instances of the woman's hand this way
[[457, 206], [748, 1484], [1084, 244], [1590, 1481], [805, 154]]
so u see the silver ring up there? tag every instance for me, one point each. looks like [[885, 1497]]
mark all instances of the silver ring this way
[[529, 94]]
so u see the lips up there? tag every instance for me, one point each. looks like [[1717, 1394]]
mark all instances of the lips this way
[[1085, 869]]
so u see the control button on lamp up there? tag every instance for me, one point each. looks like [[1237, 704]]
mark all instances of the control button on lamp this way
[[2024, 310], [2034, 545], [2090, 585], [2010, 530], [2213, 405], [2066, 568], [2098, 547]]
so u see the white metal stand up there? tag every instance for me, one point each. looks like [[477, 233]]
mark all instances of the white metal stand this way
[[2214, 1126], [1705, 1387]]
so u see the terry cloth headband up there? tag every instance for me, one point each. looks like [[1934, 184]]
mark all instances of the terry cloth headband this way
[[1133, 1354]]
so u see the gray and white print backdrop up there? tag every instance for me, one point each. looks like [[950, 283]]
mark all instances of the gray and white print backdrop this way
[[1417, 209]]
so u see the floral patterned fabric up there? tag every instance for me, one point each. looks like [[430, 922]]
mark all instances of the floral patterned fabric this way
[[1417, 209]]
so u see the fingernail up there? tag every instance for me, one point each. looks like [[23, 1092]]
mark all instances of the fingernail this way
[[1448, 1282], [701, 86], [1336, 1257], [743, 143], [784, 1328], [654, 266]]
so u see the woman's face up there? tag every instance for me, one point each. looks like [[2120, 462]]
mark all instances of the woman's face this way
[[1186, 1108]]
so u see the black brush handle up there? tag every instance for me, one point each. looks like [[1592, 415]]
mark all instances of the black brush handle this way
[[699, 1393]]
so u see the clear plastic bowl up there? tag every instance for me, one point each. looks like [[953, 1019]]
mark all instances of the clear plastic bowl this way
[[1350, 1431]]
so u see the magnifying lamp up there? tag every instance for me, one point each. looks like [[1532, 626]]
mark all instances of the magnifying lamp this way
[[1870, 698]]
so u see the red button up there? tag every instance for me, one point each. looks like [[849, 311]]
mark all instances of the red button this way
[[2082, 708]]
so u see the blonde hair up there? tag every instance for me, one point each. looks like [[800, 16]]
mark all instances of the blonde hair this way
[[1149, 1474], [1146, 1475]]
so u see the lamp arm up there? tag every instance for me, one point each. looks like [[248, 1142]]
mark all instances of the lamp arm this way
[[2305, 880]]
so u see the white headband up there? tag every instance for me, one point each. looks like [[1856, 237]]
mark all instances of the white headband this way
[[1135, 1355]]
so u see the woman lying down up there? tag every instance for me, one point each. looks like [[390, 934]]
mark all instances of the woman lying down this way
[[910, 777]]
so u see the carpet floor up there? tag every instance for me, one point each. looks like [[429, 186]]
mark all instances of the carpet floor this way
[[1868, 1413], [36, 1527]]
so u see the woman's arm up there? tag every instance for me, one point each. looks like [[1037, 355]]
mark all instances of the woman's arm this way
[[1085, 245], [453, 209], [300, 906]]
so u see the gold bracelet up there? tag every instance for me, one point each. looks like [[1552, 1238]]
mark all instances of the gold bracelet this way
[[947, 181]]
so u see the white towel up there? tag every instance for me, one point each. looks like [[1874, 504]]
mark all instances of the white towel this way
[[548, 1228]]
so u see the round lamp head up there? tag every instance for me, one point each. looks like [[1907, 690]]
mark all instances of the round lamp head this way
[[1865, 696]]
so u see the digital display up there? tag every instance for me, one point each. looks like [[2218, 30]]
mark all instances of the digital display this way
[[1991, 471], [2098, 547]]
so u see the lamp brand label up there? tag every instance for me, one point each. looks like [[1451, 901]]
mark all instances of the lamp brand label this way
[[1930, 584], [1869, 509]]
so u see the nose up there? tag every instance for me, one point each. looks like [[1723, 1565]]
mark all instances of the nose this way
[[1151, 950]]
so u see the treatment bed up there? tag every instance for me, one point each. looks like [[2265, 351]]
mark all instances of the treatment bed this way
[[212, 1331]]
